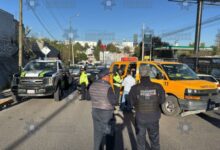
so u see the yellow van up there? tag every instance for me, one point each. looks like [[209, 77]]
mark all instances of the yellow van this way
[[185, 91]]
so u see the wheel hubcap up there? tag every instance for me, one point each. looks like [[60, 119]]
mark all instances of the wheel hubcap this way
[[170, 107]]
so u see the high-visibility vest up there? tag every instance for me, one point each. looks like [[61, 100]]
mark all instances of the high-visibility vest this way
[[117, 80], [83, 78]]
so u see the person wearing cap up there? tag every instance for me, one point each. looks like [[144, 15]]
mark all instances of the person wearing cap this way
[[117, 81], [146, 97], [84, 82], [103, 101]]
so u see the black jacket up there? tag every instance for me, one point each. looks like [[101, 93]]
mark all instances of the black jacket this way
[[146, 97]]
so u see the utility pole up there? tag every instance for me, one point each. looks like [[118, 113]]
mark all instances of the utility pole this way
[[198, 30], [200, 4], [143, 32], [20, 36]]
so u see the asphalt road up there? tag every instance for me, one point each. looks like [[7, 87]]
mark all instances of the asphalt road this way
[[43, 124]]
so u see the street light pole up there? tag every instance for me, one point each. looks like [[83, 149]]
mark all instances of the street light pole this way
[[20, 37], [71, 38]]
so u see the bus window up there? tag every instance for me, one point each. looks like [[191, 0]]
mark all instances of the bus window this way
[[115, 68], [122, 68], [155, 73], [133, 67]]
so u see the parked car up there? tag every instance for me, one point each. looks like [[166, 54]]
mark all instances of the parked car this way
[[75, 71], [41, 78], [209, 78]]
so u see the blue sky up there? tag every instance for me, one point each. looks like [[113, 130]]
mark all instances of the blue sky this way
[[125, 18]]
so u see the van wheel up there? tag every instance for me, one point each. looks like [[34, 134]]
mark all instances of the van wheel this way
[[171, 106], [58, 94], [15, 98]]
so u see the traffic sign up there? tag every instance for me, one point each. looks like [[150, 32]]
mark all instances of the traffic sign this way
[[45, 50]]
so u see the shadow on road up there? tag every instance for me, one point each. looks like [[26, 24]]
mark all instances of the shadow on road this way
[[127, 122], [212, 120], [25, 137], [66, 94], [71, 89]]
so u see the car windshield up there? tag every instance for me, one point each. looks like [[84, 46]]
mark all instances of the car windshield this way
[[179, 72], [33, 66]]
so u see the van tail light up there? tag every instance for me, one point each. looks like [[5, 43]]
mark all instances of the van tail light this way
[[218, 85]]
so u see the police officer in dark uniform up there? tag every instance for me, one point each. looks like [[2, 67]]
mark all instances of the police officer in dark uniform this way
[[146, 97]]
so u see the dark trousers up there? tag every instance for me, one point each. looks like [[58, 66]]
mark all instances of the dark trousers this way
[[83, 91], [101, 120], [117, 92], [153, 133]]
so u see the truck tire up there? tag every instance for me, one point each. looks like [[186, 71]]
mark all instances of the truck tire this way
[[171, 106], [58, 94], [16, 99]]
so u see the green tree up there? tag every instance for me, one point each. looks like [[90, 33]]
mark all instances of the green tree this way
[[112, 48], [127, 49], [137, 52], [86, 46], [81, 57]]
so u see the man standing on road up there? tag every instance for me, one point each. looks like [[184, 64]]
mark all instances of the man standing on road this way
[[117, 80], [127, 83], [84, 82], [147, 97], [103, 102]]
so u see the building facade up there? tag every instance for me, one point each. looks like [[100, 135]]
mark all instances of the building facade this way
[[8, 34]]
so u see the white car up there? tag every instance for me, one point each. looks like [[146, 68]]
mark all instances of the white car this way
[[209, 78]]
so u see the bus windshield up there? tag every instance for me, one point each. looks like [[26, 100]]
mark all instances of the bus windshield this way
[[179, 72]]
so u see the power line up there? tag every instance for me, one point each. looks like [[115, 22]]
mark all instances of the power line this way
[[41, 22], [208, 21], [53, 15]]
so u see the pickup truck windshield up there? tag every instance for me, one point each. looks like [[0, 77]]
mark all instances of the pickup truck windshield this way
[[179, 72], [33, 66]]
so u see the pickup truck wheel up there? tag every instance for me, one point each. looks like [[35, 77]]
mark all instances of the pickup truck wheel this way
[[15, 98], [171, 106], [58, 94]]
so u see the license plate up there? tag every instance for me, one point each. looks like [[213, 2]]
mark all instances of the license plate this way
[[30, 91], [216, 108]]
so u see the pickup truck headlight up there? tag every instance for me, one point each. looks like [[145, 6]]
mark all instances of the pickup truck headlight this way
[[50, 81]]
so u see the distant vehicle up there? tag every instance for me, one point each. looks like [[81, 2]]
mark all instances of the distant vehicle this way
[[206, 65], [81, 64], [75, 71], [89, 66], [41, 78], [100, 67], [209, 78]]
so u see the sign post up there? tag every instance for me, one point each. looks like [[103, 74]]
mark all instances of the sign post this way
[[45, 50]]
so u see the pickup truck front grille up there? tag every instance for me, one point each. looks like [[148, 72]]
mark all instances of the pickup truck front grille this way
[[31, 81]]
